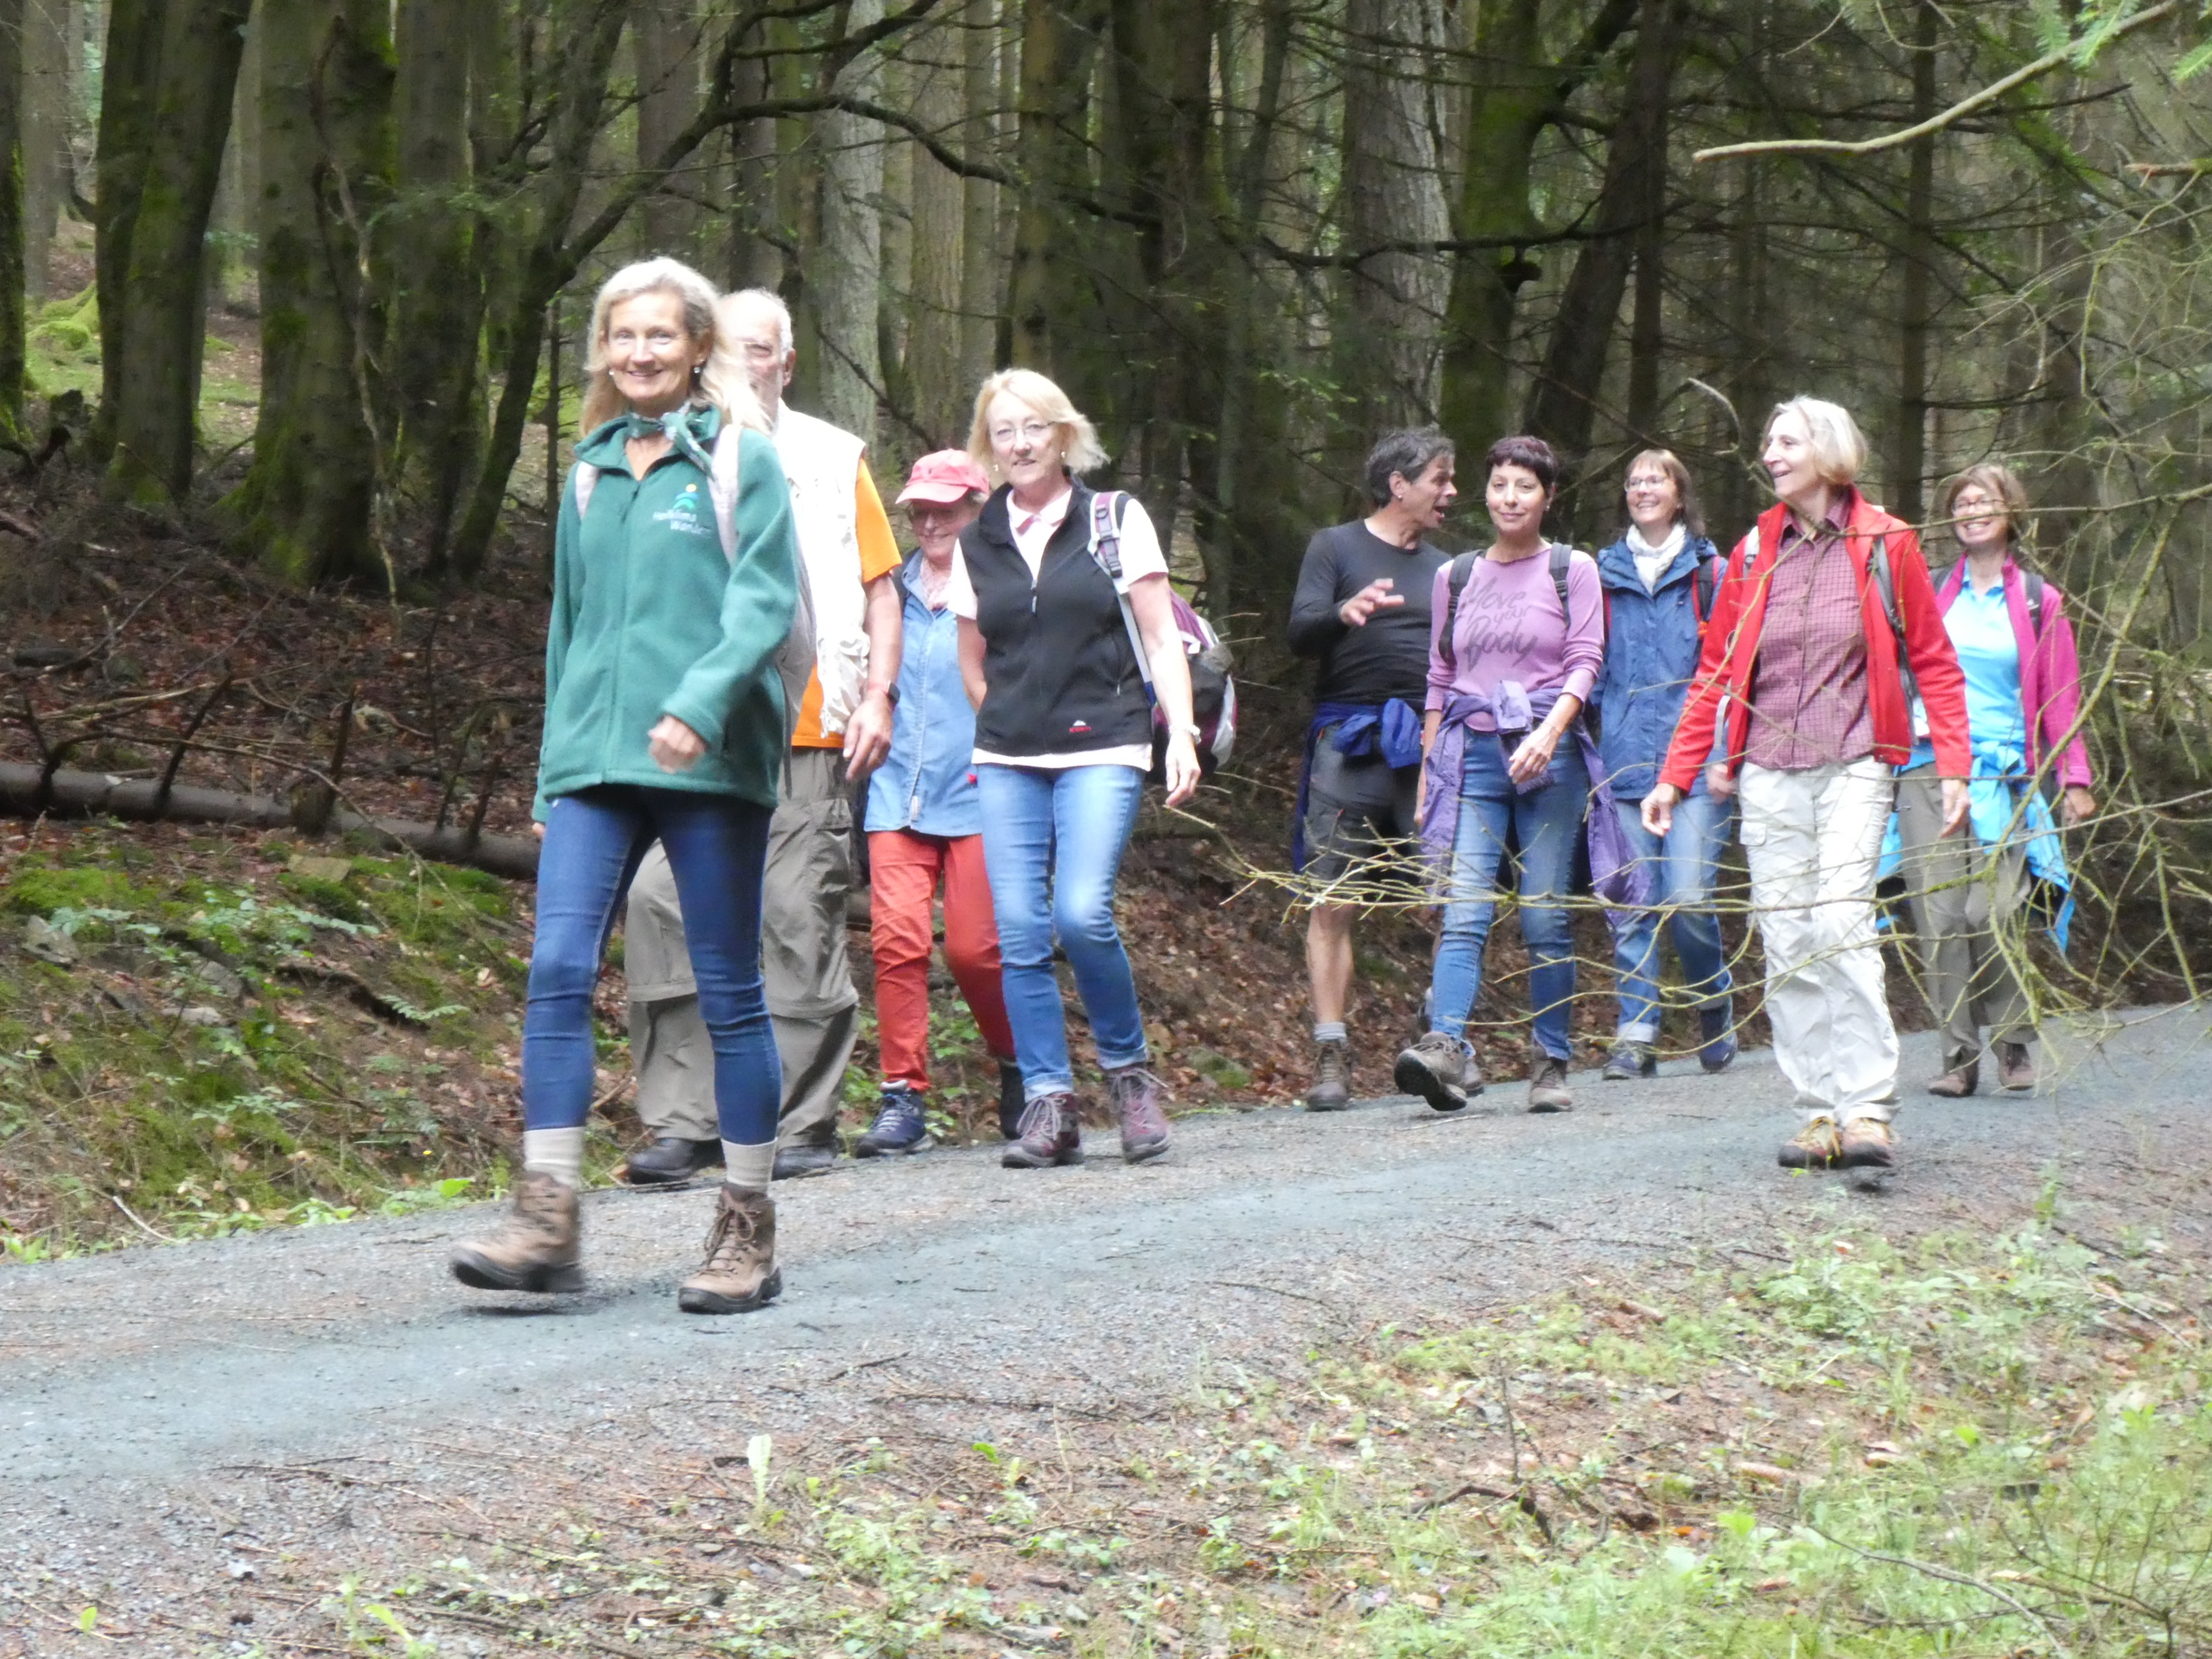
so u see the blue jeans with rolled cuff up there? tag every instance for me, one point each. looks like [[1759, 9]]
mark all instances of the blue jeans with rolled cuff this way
[[717, 848], [1546, 822], [1686, 867], [1052, 845]]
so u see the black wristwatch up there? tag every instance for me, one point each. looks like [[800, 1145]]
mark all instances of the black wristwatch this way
[[891, 694]]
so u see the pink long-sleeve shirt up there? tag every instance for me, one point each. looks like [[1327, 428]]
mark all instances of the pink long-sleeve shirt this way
[[1509, 628]]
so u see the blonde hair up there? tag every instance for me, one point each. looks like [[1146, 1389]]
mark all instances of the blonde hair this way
[[1997, 480], [720, 382], [1688, 513], [1079, 445], [1839, 447]]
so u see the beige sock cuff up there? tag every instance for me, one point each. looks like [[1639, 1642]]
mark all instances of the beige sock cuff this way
[[557, 1153]]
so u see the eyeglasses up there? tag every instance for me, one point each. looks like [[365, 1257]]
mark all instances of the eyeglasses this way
[[1649, 481], [1973, 504], [1028, 432], [659, 340]]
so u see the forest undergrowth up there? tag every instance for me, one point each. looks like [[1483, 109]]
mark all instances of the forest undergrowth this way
[[1976, 1443]]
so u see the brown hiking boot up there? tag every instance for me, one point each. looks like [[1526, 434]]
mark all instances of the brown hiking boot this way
[[740, 1272], [1141, 1101], [1051, 1133], [1332, 1090], [1867, 1143], [1547, 1090], [1814, 1146], [2016, 1066], [1962, 1075], [535, 1248], [1441, 1070]]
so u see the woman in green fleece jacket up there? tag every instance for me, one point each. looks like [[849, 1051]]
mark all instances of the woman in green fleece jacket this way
[[672, 594]]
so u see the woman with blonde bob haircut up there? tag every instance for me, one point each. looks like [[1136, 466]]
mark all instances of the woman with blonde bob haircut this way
[[675, 579], [1063, 743], [2023, 705], [1821, 624]]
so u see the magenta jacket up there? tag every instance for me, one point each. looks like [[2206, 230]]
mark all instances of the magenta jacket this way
[[2051, 674]]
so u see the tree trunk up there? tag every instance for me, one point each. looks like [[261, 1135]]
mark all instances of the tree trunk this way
[[129, 65], [1563, 403], [1909, 451], [12, 348], [152, 346], [311, 507], [665, 39], [846, 288], [935, 336], [49, 28], [979, 259], [1392, 193], [429, 255], [756, 260], [1052, 159]]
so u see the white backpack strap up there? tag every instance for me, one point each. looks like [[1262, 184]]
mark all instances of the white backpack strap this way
[[721, 485], [587, 480], [1106, 549]]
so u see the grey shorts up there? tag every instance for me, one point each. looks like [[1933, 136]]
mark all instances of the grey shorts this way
[[1359, 811]]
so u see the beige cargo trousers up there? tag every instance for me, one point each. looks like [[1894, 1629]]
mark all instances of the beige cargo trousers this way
[[813, 1003]]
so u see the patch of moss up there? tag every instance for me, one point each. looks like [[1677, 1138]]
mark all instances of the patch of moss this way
[[39, 889]]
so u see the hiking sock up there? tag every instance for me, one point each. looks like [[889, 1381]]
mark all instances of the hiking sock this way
[[1328, 1031], [557, 1153], [750, 1167]]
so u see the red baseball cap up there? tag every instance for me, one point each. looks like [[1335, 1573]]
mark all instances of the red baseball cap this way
[[943, 477]]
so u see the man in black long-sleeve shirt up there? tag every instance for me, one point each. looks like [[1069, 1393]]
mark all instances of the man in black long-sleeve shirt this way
[[1363, 606]]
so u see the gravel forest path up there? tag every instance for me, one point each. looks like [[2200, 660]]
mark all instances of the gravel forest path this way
[[153, 1400]]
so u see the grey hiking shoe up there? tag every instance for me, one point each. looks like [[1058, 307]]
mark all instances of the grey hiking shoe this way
[[1141, 1101], [1547, 1090], [1441, 1070], [2016, 1066], [740, 1273], [1961, 1076], [1630, 1060], [536, 1249], [1051, 1133], [1332, 1090]]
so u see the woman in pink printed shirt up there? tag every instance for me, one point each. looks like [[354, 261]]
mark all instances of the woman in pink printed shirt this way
[[1510, 666]]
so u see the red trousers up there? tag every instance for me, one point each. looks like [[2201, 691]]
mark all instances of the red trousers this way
[[904, 870]]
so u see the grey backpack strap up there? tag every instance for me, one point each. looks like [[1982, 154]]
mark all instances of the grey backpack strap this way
[[1460, 572], [1885, 579], [1106, 549], [2035, 604]]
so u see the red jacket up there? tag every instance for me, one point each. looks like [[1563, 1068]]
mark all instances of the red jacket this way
[[1731, 648]]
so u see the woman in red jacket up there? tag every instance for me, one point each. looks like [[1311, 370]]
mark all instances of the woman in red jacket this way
[[1823, 618]]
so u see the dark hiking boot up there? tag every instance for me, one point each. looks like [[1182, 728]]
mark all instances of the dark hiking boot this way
[[1630, 1060], [536, 1249], [670, 1159], [740, 1272], [1962, 1075], [1141, 1101], [1547, 1090], [900, 1126], [1867, 1143], [1011, 1100], [1441, 1070], [1051, 1133], [1816, 1146], [796, 1163], [1332, 1090], [1716, 1033], [2015, 1067]]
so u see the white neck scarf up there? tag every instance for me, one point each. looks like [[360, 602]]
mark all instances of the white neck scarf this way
[[1652, 559]]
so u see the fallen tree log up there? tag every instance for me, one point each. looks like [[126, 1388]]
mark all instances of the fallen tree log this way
[[93, 794]]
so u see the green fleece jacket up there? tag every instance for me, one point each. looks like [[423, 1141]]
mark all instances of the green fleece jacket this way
[[650, 619]]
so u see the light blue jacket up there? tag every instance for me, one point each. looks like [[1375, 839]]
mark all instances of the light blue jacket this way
[[927, 783]]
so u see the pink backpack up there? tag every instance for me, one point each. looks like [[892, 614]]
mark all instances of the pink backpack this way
[[1213, 690]]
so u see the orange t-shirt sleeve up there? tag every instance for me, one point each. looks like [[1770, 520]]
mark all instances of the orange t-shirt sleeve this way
[[879, 551]]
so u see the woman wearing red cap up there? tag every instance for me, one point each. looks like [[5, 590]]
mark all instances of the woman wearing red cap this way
[[924, 827]]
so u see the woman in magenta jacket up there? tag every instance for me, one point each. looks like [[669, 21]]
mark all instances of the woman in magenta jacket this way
[[2024, 699]]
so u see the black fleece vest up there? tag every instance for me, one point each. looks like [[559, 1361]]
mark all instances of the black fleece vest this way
[[1060, 675]]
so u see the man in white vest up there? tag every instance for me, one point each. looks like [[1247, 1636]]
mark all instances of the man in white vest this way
[[841, 733]]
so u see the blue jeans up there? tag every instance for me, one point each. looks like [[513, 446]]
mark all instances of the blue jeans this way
[[717, 848], [1546, 823], [1052, 843], [1685, 867]]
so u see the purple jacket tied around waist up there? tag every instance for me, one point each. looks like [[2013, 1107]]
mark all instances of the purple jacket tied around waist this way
[[1618, 878]]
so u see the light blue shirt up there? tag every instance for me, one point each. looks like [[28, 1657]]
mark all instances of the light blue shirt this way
[[1980, 627], [927, 783]]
